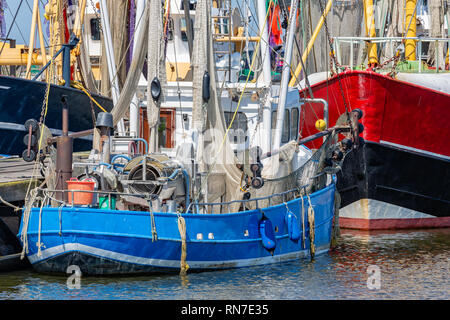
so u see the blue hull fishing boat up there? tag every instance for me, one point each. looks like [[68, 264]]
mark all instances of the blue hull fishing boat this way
[[205, 206], [126, 242]]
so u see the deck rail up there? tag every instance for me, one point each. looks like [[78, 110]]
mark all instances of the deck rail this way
[[196, 207], [337, 41]]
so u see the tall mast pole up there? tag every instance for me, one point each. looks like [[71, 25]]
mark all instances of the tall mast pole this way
[[410, 28], [265, 135], [285, 76], [370, 32], [110, 58], [134, 107]]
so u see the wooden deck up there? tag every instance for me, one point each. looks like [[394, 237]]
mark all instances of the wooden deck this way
[[15, 176]]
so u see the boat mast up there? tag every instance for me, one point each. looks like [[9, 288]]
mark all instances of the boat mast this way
[[266, 135], [410, 27], [370, 32], [310, 43], [156, 74], [285, 76], [110, 58], [35, 20], [134, 106]]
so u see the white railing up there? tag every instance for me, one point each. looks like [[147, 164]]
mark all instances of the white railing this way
[[392, 41]]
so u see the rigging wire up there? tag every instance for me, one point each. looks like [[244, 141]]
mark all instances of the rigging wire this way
[[10, 27], [234, 115], [20, 31]]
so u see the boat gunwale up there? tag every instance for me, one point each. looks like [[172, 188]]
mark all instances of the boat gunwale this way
[[349, 73], [188, 215]]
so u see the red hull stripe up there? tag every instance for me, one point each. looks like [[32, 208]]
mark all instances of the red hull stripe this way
[[384, 224], [395, 111]]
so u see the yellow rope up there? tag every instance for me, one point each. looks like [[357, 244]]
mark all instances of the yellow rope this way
[[182, 229], [78, 85]]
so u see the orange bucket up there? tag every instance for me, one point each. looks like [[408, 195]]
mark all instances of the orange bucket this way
[[81, 198]]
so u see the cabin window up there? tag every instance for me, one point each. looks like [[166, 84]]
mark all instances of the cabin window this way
[[170, 29], [183, 29], [238, 130], [95, 29], [192, 4], [166, 129], [294, 123], [286, 126]]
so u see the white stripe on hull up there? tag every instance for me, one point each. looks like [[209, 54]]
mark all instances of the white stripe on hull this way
[[375, 209], [424, 152], [68, 247]]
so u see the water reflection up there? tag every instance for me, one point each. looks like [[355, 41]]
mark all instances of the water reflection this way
[[413, 265]]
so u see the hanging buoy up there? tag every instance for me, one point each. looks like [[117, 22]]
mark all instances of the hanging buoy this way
[[267, 235], [292, 226], [155, 89], [321, 125], [359, 112], [205, 87]]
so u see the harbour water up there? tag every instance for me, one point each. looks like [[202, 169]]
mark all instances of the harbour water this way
[[400, 265]]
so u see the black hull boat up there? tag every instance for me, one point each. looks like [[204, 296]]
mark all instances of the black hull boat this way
[[385, 187], [22, 99]]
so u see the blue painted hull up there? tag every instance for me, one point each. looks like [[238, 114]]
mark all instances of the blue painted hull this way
[[120, 242], [22, 99]]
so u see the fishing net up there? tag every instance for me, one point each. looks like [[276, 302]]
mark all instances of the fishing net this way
[[134, 73], [345, 19], [214, 156], [307, 179]]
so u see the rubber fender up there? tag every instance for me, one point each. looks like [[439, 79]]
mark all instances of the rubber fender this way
[[267, 235], [205, 87], [155, 89], [292, 226]]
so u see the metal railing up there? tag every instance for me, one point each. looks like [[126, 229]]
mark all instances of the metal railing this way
[[197, 207], [283, 195], [391, 40]]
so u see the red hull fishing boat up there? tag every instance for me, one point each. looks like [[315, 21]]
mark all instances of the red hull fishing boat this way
[[399, 176], [402, 170]]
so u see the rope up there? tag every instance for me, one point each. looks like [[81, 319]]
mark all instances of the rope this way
[[303, 222], [79, 86], [60, 219], [311, 214], [25, 219], [182, 229], [152, 223], [9, 204], [235, 112], [39, 244], [336, 230]]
